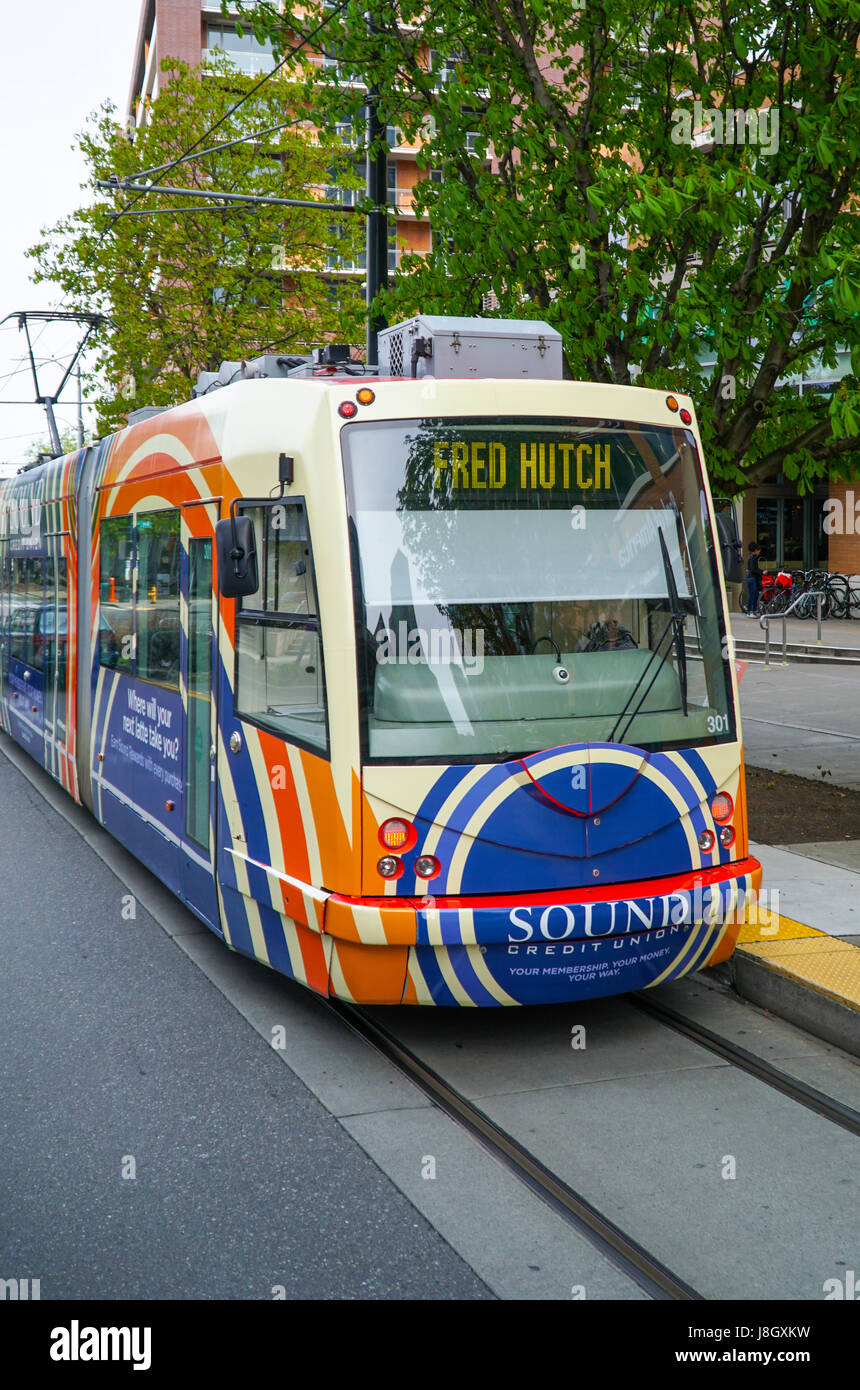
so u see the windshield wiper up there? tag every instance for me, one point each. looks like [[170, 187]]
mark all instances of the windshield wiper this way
[[676, 623], [677, 620]]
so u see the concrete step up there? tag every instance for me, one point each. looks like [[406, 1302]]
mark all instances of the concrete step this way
[[749, 649]]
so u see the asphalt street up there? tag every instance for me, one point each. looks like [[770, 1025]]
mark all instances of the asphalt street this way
[[119, 1057]]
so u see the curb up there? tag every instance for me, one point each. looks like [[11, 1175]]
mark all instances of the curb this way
[[802, 975]]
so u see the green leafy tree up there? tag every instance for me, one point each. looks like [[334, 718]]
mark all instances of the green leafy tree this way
[[187, 285], [43, 448], [582, 180]]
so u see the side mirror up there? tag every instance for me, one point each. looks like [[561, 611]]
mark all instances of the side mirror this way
[[730, 546], [236, 547]]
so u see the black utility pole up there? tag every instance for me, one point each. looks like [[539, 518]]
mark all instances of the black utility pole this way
[[376, 183]]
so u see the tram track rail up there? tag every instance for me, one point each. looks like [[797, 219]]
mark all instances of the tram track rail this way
[[621, 1249], [817, 1101], [625, 1253]]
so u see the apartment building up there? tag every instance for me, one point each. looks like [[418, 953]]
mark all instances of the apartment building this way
[[192, 29]]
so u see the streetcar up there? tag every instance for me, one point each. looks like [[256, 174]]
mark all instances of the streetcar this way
[[415, 684]]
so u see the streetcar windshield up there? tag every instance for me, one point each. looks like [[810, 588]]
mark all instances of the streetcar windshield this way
[[523, 583]]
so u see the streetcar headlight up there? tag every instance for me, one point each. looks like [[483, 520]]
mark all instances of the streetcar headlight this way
[[707, 840], [727, 836], [389, 867], [722, 806], [427, 866]]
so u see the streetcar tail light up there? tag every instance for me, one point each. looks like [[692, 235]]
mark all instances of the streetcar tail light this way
[[397, 835], [722, 807], [347, 409], [686, 417]]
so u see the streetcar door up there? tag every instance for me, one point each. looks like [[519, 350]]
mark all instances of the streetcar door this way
[[200, 619]]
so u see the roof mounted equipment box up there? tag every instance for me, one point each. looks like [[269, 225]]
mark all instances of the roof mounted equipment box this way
[[438, 346]]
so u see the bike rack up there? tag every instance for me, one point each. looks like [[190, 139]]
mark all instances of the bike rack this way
[[765, 621]]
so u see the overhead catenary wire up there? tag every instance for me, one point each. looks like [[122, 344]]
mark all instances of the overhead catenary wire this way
[[267, 76], [225, 145], [246, 199]]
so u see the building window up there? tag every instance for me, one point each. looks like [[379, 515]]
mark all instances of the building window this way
[[244, 49], [444, 67], [790, 531]]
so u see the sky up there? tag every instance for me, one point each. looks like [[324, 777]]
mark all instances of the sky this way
[[59, 60]]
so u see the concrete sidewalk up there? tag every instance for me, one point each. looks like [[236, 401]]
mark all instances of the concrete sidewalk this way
[[815, 888]]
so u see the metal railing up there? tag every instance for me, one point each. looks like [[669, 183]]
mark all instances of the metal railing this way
[[766, 618]]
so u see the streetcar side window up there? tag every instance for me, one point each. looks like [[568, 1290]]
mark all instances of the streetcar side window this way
[[25, 643], [280, 681], [116, 610], [158, 555]]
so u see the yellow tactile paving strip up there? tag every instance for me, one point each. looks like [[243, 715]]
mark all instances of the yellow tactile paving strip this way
[[778, 929], [818, 961]]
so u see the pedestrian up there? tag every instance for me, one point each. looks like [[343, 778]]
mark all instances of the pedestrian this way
[[753, 579]]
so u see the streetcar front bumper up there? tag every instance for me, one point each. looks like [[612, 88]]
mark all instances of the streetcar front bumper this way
[[538, 947]]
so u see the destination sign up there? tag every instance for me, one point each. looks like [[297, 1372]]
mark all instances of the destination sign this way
[[474, 465]]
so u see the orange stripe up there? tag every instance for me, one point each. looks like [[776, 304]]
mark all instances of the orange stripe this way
[[313, 957], [286, 802], [339, 855], [373, 974]]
